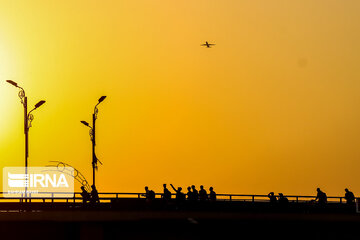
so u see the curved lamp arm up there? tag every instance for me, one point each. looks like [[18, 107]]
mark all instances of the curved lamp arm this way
[[30, 116]]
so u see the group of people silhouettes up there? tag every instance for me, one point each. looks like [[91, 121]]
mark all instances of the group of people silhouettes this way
[[92, 197], [281, 199], [321, 197], [192, 195]]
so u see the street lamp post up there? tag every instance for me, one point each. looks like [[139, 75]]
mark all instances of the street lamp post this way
[[92, 132], [28, 117]]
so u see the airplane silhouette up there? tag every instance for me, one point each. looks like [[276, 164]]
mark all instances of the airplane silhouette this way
[[206, 44]]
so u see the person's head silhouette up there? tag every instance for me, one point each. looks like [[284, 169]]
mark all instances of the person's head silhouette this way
[[146, 188], [189, 189], [164, 185], [281, 195], [93, 187], [179, 189], [82, 188], [193, 186], [318, 190], [346, 190], [201, 187], [211, 188]]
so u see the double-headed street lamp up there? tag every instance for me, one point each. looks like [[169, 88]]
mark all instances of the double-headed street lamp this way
[[28, 117], [95, 160]]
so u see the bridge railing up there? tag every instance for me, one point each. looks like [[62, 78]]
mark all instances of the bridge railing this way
[[108, 196]]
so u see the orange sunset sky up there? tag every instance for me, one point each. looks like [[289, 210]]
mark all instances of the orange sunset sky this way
[[274, 106]]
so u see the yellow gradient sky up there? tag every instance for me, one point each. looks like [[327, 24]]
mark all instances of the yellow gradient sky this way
[[274, 106]]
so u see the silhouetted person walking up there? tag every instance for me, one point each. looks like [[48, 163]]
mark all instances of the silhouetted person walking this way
[[212, 194], [203, 194], [349, 196], [272, 198], [321, 197], [166, 194], [190, 195], [195, 193], [283, 200], [85, 195], [149, 194], [146, 195], [94, 195]]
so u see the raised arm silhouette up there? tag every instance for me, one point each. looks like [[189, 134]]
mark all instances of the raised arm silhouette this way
[[179, 195]]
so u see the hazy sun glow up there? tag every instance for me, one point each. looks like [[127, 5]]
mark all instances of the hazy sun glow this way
[[274, 106]]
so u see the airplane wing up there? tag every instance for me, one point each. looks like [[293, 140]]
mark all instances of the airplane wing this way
[[211, 44], [203, 45]]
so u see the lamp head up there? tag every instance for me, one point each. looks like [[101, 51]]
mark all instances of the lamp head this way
[[102, 99], [85, 123], [12, 83], [39, 103]]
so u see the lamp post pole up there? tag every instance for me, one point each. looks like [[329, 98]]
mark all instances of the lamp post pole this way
[[28, 117], [94, 160], [92, 133], [26, 129]]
